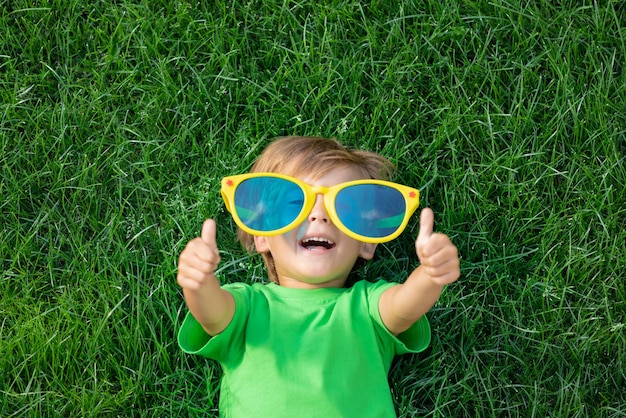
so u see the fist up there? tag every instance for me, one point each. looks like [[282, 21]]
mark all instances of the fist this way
[[438, 256], [199, 259]]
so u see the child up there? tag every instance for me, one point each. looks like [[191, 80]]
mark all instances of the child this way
[[305, 345]]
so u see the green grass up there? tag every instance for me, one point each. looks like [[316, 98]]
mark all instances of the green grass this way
[[118, 119]]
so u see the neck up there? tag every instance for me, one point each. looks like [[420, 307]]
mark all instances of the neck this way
[[299, 284]]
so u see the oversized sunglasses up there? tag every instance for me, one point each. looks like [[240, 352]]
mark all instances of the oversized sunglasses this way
[[265, 204]]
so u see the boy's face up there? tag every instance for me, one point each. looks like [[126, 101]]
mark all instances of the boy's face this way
[[316, 253]]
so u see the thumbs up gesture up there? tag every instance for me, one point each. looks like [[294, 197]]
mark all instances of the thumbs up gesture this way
[[199, 259], [438, 256]]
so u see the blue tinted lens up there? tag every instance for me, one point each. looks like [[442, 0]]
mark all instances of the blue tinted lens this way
[[268, 203], [371, 210]]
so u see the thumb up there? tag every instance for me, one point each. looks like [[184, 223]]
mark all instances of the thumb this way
[[208, 231], [427, 221]]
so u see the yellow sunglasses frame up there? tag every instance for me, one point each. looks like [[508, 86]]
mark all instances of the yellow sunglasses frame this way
[[230, 184]]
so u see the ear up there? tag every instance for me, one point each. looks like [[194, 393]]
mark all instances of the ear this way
[[260, 243], [367, 250]]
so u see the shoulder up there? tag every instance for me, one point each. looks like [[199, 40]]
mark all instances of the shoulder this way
[[246, 290], [371, 289], [253, 296], [366, 295]]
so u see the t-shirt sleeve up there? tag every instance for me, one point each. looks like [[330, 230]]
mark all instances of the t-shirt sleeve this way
[[413, 340], [222, 347]]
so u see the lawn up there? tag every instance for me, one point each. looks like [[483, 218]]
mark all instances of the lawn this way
[[118, 119]]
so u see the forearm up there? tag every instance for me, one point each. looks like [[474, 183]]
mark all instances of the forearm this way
[[402, 305], [407, 303], [212, 306]]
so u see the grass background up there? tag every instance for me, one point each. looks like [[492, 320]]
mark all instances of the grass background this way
[[118, 119]]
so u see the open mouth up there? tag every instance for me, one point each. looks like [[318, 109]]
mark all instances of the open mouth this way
[[317, 244]]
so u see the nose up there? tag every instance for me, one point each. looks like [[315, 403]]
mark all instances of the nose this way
[[318, 213]]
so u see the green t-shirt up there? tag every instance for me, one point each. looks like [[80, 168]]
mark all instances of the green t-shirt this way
[[305, 353]]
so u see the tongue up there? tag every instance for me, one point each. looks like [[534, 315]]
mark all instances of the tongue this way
[[316, 248]]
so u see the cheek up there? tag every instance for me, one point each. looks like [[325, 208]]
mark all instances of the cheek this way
[[298, 233], [351, 246], [285, 240]]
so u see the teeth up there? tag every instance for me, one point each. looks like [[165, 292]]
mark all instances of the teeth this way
[[317, 239]]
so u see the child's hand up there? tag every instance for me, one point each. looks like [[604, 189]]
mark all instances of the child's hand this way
[[199, 259], [438, 256]]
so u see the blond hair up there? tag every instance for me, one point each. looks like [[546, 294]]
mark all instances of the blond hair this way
[[312, 156]]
